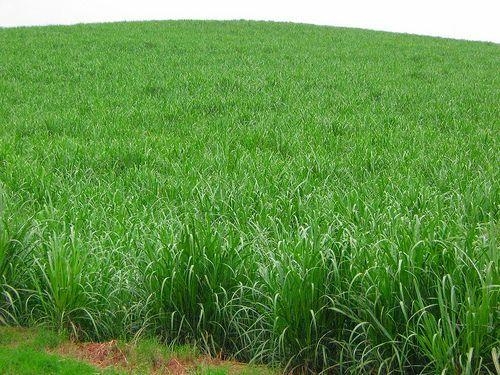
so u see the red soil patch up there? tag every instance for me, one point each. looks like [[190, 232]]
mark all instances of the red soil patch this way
[[184, 366], [99, 354], [175, 367], [109, 354]]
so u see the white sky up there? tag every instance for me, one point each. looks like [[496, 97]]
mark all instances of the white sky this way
[[475, 19]]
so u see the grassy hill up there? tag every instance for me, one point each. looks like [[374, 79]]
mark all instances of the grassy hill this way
[[308, 197]]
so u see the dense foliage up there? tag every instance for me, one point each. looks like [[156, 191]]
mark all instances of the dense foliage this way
[[309, 197]]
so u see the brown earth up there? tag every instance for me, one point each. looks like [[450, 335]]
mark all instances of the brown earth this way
[[109, 354]]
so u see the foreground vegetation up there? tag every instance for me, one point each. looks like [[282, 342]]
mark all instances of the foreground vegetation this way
[[24, 352], [38, 351], [314, 198]]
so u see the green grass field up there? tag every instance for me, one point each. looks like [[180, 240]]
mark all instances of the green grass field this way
[[306, 197], [22, 352], [37, 351]]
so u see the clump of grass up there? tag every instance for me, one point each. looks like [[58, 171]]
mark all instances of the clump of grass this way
[[60, 296], [191, 281]]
